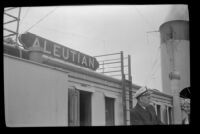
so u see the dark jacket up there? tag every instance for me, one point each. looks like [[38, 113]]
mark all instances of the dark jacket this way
[[140, 116]]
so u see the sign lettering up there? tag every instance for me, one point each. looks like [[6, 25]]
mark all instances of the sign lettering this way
[[55, 50]]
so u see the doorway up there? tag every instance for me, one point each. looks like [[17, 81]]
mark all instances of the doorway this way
[[110, 114], [85, 108]]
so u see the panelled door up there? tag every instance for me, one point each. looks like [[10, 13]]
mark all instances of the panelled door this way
[[74, 107], [110, 114]]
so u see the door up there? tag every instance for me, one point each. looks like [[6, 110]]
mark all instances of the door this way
[[158, 111], [170, 115], [85, 108], [73, 107], [109, 111]]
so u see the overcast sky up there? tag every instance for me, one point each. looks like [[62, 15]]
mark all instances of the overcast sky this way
[[104, 29]]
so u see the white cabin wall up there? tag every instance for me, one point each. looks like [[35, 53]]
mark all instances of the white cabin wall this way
[[34, 95]]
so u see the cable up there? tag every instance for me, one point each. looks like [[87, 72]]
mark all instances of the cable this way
[[152, 76], [156, 59], [153, 61], [153, 65], [73, 34], [40, 20], [154, 73], [147, 22], [25, 15]]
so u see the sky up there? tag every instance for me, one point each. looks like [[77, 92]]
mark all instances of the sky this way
[[104, 29]]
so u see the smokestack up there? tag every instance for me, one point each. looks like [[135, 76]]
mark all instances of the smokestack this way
[[175, 55], [178, 12]]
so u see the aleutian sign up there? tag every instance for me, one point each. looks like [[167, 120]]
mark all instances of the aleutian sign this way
[[55, 50]]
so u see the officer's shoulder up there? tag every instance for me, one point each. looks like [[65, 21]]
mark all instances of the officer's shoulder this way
[[134, 109], [150, 107]]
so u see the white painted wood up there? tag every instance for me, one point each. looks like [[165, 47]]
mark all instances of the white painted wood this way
[[34, 95]]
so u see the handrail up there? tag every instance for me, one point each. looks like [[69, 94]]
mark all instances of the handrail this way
[[109, 63], [106, 55], [112, 71], [111, 67], [109, 60]]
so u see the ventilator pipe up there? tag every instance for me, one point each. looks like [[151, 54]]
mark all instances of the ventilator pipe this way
[[35, 54]]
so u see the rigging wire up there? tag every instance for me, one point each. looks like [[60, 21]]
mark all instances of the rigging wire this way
[[155, 70], [156, 59], [144, 18], [21, 20], [153, 63], [72, 34], [28, 9], [156, 56], [41, 20]]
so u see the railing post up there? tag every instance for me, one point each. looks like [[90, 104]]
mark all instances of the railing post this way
[[123, 89], [103, 67], [17, 31], [130, 82]]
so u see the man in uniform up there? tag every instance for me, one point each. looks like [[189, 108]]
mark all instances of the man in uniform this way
[[144, 113]]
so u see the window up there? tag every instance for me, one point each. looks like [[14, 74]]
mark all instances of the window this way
[[110, 114]]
